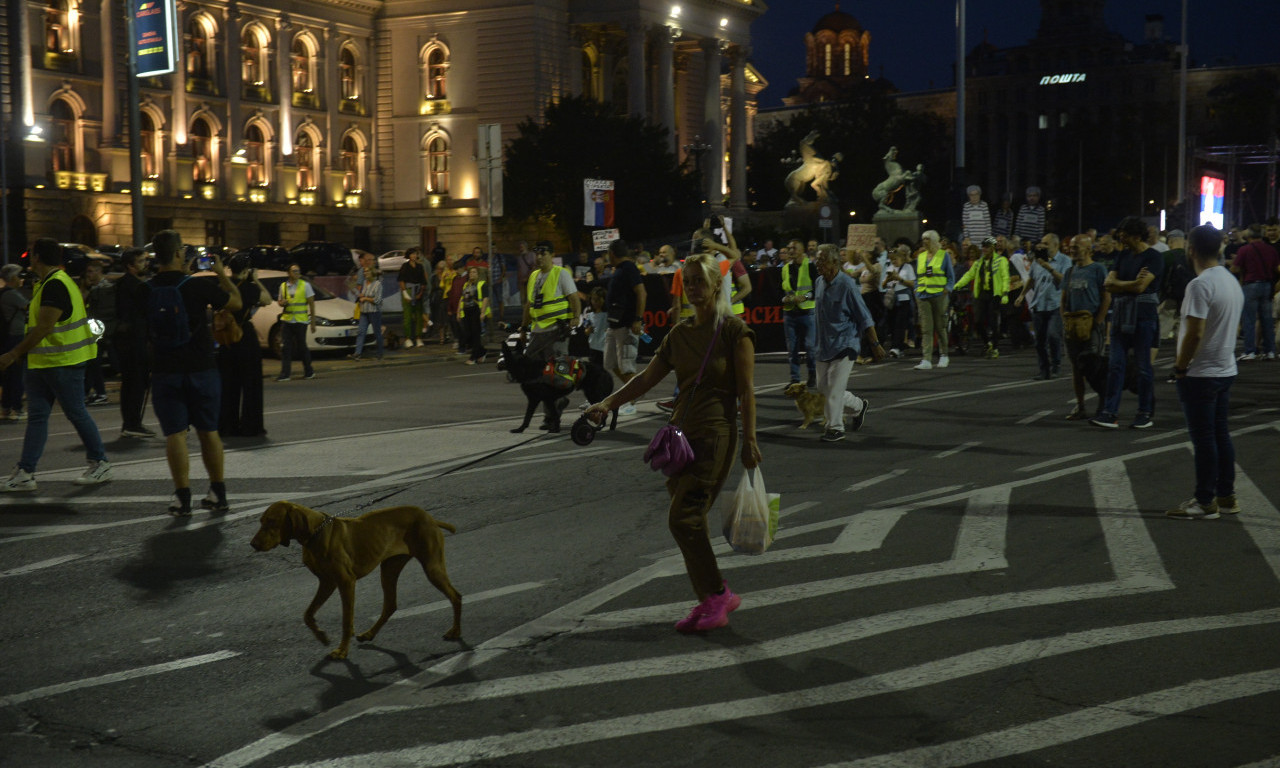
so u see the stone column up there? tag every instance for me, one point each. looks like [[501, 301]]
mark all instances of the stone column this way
[[712, 122], [665, 87], [636, 70], [284, 95], [738, 122], [232, 48], [179, 85]]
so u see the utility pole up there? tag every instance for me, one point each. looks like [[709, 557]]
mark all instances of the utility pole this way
[[135, 133]]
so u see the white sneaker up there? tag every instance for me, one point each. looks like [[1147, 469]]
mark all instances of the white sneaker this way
[[1194, 510], [924, 365], [627, 410], [1247, 357], [21, 480], [944, 361], [895, 352], [98, 472]]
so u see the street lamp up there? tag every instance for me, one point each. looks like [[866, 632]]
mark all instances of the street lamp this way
[[697, 148]]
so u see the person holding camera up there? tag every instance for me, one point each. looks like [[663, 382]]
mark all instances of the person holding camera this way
[[186, 390], [551, 307], [1045, 285]]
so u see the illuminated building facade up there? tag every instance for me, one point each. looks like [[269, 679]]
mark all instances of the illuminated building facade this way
[[347, 120]]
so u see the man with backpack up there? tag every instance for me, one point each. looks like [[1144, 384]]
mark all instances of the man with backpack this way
[[185, 388], [58, 344]]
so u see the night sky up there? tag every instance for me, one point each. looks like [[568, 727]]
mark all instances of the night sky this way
[[913, 41]]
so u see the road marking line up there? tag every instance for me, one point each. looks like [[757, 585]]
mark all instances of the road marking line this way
[[1088, 396], [1082, 724], [983, 530], [24, 569], [1064, 728], [114, 677], [440, 605], [1259, 517], [877, 479], [1051, 462], [1034, 418], [1134, 556], [326, 407], [922, 495], [1157, 437], [957, 449], [923, 398]]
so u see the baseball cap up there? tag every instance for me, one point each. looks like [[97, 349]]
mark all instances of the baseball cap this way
[[1176, 233]]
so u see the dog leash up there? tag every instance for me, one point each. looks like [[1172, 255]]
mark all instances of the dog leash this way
[[327, 519]]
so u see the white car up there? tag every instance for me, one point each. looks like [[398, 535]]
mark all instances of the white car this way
[[336, 326]]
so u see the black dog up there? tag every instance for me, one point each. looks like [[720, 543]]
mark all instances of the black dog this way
[[596, 383]]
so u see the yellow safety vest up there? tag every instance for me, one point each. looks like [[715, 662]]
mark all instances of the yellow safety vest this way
[[295, 308], [554, 307], [462, 309], [804, 283], [72, 342], [936, 283]]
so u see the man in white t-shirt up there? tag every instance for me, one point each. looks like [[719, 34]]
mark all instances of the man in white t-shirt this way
[[1205, 368]]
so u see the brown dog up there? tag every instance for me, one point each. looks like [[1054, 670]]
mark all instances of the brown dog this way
[[809, 404], [340, 551]]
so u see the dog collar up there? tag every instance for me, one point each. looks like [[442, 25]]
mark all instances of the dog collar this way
[[327, 519]]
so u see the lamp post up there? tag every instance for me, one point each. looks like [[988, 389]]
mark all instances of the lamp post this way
[[698, 148]]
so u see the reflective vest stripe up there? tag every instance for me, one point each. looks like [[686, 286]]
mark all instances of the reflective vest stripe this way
[[295, 308], [71, 343], [554, 308], [931, 284], [804, 283]]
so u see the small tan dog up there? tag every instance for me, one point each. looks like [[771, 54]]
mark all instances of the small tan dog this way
[[810, 404], [340, 551]]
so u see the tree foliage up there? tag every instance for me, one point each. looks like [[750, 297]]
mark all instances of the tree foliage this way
[[580, 138]]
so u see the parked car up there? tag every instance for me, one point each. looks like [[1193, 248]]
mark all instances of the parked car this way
[[74, 257], [336, 327], [268, 257], [321, 258]]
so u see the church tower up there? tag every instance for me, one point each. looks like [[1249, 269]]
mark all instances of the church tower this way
[[837, 56]]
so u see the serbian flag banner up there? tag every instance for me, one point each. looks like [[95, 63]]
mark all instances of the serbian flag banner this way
[[598, 198]]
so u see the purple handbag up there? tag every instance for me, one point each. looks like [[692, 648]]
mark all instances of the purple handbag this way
[[669, 450]]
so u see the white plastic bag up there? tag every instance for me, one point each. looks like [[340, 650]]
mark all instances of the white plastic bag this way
[[751, 518]]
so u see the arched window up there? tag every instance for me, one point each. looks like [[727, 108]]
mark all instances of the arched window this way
[[200, 139], [826, 59], [302, 66], [437, 73], [255, 156], [147, 132], [437, 158], [350, 87], [201, 58], [62, 122], [253, 56], [304, 149], [848, 59], [350, 165], [58, 36]]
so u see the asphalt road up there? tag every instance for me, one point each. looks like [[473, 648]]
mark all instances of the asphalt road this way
[[969, 580]]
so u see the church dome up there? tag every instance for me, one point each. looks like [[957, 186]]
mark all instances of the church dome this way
[[837, 21]]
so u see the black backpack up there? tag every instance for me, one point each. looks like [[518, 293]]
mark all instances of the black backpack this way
[[167, 318]]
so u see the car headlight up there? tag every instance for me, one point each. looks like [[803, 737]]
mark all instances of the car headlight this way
[[323, 321]]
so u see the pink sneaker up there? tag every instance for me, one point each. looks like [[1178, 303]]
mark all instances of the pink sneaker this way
[[711, 613]]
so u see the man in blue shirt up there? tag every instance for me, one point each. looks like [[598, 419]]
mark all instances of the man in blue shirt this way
[[841, 321], [1134, 285], [1048, 265]]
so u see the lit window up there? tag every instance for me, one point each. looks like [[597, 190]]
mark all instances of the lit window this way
[[255, 156], [304, 151], [826, 52], [200, 58], [253, 56], [62, 124], [437, 73], [147, 132], [200, 139], [1062, 120], [1044, 122], [301, 66], [848, 59], [347, 73], [438, 165], [58, 36], [350, 165]]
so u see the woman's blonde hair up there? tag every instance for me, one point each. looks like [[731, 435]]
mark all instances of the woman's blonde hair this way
[[710, 269]]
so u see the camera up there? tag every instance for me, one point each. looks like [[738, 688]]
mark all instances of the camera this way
[[1042, 252], [204, 263]]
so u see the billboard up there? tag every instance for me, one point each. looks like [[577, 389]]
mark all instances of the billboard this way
[[156, 41], [1213, 191]]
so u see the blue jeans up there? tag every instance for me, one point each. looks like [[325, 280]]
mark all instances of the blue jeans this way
[[799, 333], [368, 319], [1205, 403], [1048, 327], [1257, 309], [65, 385], [1140, 341]]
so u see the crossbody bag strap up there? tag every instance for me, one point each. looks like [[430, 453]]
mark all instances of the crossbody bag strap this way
[[705, 358]]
